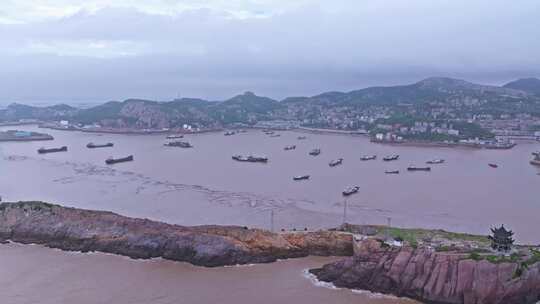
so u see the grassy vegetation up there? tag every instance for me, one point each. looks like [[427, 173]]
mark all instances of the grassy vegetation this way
[[414, 236]]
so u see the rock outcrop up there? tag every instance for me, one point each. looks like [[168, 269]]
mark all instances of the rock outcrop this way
[[433, 277], [85, 230]]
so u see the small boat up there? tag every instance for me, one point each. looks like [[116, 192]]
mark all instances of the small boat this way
[[391, 157], [288, 148], [111, 161], [435, 161], [336, 162], [267, 132], [536, 160], [301, 137], [300, 177], [175, 136], [413, 168], [350, 190], [315, 152], [368, 157], [92, 145], [181, 144], [275, 135], [52, 150], [391, 172], [493, 165], [250, 158], [229, 133]]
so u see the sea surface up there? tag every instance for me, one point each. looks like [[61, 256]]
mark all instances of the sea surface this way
[[34, 274], [203, 185]]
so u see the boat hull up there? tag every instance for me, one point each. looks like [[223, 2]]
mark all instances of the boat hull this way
[[52, 150], [112, 161]]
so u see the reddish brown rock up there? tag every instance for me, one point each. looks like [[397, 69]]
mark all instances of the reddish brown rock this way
[[433, 277], [85, 230]]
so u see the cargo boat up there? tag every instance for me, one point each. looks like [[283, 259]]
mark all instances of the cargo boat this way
[[368, 157], [180, 144], [288, 148], [336, 162], [435, 161], [250, 158], [315, 152], [350, 190], [413, 168], [92, 145], [175, 136], [536, 160], [301, 177], [391, 157], [112, 161], [52, 150]]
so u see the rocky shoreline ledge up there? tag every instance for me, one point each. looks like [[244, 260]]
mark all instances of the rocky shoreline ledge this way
[[464, 272], [86, 230], [432, 266]]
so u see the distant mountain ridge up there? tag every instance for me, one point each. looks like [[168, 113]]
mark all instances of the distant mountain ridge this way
[[530, 85], [249, 108]]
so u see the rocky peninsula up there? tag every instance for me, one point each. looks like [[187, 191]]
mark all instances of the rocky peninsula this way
[[432, 266], [86, 230], [447, 274]]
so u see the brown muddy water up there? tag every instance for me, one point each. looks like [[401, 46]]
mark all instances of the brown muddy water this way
[[203, 185], [34, 274]]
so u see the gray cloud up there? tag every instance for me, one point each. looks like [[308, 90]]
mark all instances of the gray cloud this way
[[158, 49]]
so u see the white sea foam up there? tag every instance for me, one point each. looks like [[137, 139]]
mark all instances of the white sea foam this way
[[367, 293]]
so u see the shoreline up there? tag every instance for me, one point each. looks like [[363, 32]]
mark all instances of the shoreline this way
[[362, 247]]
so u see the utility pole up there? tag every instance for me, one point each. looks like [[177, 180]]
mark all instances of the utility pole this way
[[345, 211], [388, 225], [272, 220]]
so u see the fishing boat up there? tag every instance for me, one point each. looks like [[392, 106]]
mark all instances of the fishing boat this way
[[336, 162], [180, 144], [414, 168], [175, 136], [250, 158], [52, 150], [315, 152], [93, 146], [368, 157], [435, 161], [301, 177], [493, 165], [391, 172], [536, 160], [111, 161], [288, 148], [350, 190], [391, 157]]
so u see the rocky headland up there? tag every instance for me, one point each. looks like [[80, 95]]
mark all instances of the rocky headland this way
[[86, 230], [433, 266], [442, 275]]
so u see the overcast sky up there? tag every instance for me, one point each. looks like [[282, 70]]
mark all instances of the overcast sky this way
[[100, 50]]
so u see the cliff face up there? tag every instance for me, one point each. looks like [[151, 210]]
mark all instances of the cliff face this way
[[432, 277], [85, 230]]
